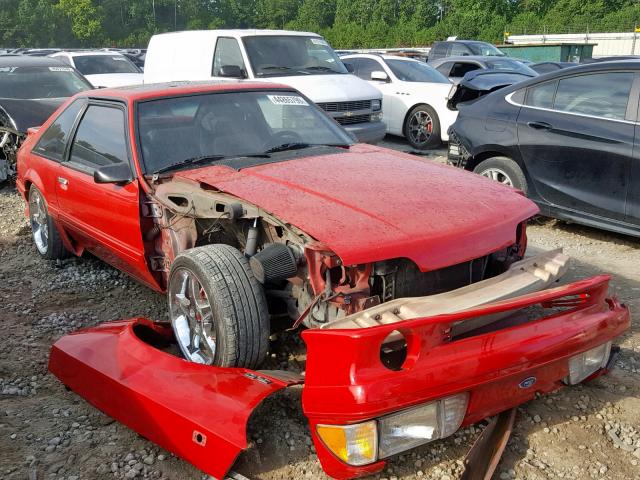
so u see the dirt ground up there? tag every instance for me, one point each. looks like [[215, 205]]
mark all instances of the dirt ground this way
[[590, 431]]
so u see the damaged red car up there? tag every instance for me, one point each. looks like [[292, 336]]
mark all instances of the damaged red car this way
[[255, 213]]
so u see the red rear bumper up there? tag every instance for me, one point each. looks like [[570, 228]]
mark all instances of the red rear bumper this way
[[177, 404]]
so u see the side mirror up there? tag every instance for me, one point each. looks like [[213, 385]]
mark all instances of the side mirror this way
[[379, 76], [231, 71], [118, 173], [349, 67]]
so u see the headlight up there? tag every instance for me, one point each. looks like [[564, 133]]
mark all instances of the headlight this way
[[376, 117], [364, 443], [585, 364], [419, 425], [376, 105], [353, 444]]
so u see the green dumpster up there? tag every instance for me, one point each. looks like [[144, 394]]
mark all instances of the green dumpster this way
[[550, 52]]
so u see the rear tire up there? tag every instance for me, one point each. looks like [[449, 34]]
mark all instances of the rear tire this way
[[43, 228], [422, 128], [503, 170], [218, 309]]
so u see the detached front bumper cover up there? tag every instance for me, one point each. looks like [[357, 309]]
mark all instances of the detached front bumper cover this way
[[200, 412]]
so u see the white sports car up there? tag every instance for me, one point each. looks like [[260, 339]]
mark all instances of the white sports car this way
[[414, 96]]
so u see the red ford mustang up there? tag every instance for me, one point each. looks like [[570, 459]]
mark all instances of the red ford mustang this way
[[245, 204]]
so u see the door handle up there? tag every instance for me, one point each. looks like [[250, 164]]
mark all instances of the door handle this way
[[63, 181], [540, 125]]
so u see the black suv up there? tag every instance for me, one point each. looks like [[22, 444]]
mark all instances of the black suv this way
[[569, 139], [458, 48]]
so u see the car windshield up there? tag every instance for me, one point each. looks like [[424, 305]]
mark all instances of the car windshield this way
[[179, 131], [99, 64], [504, 64], [40, 82], [409, 71], [280, 55], [485, 49]]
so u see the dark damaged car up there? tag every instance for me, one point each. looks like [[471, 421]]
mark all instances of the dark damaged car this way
[[568, 139], [31, 89], [255, 213]]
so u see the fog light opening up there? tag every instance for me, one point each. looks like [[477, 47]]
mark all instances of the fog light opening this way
[[393, 351]]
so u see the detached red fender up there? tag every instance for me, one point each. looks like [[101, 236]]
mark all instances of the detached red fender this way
[[197, 412]]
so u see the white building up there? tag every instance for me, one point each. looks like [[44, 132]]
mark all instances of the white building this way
[[607, 44]]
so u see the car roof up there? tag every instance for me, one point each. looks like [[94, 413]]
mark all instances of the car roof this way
[[82, 53], [477, 58], [578, 69], [380, 55], [27, 61], [150, 91], [239, 33]]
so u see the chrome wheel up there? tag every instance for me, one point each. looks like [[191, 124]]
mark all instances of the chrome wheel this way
[[39, 221], [497, 175], [420, 127], [192, 317]]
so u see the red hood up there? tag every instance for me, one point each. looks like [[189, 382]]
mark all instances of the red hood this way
[[371, 204]]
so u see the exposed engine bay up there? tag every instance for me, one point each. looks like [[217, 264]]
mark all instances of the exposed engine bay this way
[[10, 141], [305, 282]]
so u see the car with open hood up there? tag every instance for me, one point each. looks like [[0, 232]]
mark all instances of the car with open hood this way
[[31, 89], [256, 213]]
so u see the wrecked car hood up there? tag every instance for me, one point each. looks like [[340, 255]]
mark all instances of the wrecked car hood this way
[[370, 203], [478, 83]]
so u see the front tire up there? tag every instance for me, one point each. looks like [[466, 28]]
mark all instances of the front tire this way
[[503, 170], [422, 128], [218, 309], [43, 228]]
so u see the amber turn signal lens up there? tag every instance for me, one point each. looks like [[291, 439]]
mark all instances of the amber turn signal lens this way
[[353, 444]]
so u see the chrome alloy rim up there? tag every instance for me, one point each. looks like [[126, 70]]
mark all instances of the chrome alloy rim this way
[[39, 224], [420, 127], [192, 317], [497, 175]]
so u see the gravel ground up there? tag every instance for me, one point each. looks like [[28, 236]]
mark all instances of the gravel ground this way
[[589, 431]]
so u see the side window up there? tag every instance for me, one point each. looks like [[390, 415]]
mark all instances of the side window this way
[[366, 66], [100, 138], [227, 53], [439, 50], [600, 94], [53, 142], [458, 49], [445, 68], [541, 95], [460, 69]]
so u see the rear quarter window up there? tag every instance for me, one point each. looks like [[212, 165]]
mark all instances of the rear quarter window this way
[[542, 95], [54, 140]]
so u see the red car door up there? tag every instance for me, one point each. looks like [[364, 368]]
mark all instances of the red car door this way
[[104, 218]]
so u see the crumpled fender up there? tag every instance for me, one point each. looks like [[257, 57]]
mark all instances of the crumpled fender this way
[[198, 412]]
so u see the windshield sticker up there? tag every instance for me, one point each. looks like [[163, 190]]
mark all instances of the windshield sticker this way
[[120, 59], [61, 69], [287, 100], [7, 69], [319, 41]]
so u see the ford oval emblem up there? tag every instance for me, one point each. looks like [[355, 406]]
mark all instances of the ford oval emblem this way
[[527, 382]]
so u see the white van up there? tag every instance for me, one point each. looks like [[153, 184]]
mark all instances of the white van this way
[[304, 61]]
